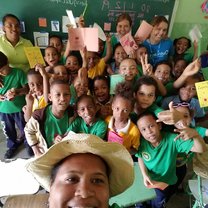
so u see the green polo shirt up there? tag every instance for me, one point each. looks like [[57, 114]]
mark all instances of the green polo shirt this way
[[15, 79], [99, 128]]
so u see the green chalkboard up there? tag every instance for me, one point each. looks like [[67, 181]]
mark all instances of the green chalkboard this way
[[100, 11]]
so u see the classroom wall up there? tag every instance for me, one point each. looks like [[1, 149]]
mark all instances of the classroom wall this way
[[188, 14]]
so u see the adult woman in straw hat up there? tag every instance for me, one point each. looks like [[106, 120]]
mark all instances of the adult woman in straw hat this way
[[83, 171]]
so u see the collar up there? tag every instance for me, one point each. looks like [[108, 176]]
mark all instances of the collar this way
[[123, 130]]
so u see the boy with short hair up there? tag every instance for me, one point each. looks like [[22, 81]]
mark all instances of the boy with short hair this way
[[12, 100], [157, 156], [46, 123]]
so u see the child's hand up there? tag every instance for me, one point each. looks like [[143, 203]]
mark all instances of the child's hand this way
[[57, 139], [138, 40], [1, 82], [186, 133], [41, 69], [10, 94], [146, 67], [170, 116], [29, 98], [2, 97], [192, 68], [81, 22], [147, 181]]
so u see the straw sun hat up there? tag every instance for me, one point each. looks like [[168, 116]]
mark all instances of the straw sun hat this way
[[116, 156]]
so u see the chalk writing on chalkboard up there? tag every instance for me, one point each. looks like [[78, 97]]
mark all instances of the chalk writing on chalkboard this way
[[75, 3], [118, 7]]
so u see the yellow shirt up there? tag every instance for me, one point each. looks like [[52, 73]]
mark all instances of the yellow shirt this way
[[129, 135], [39, 103], [98, 69], [16, 54]]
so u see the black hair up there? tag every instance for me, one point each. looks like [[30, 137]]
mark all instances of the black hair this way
[[77, 55], [32, 71], [56, 36], [10, 15], [82, 97], [56, 167], [3, 60], [146, 113], [115, 47], [165, 63], [183, 37], [51, 47], [124, 90], [58, 82], [99, 77], [146, 80]]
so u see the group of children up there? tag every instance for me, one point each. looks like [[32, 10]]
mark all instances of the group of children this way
[[72, 93]]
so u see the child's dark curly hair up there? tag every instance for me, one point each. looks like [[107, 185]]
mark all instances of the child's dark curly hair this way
[[124, 90]]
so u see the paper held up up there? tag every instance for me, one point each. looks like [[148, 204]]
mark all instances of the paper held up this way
[[143, 31], [72, 20], [34, 56], [101, 33], [83, 37], [128, 43], [195, 34]]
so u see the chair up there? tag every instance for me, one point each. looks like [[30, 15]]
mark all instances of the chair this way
[[199, 186], [136, 193]]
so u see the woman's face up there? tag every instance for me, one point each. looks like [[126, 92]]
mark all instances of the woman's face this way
[[12, 29], [81, 181], [123, 27], [159, 32]]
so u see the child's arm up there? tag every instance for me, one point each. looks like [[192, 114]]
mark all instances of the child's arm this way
[[146, 179], [43, 73], [29, 105], [148, 70], [190, 70], [108, 50], [170, 116], [189, 133], [195, 50]]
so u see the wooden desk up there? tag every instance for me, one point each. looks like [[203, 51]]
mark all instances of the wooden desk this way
[[136, 193]]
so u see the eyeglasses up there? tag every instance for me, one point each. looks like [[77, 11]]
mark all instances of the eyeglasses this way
[[182, 104]]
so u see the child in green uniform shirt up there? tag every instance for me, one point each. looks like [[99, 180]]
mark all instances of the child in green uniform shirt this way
[[145, 92], [87, 122], [157, 156], [183, 158], [46, 123], [12, 100]]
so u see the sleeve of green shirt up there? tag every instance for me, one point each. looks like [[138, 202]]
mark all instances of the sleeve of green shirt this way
[[101, 129], [75, 125], [155, 109], [201, 131]]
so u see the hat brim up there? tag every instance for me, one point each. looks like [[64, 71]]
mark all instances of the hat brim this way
[[115, 155]]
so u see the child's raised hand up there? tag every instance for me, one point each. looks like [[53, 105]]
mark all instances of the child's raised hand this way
[[186, 133], [41, 69], [81, 22], [192, 68], [170, 116], [146, 67]]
